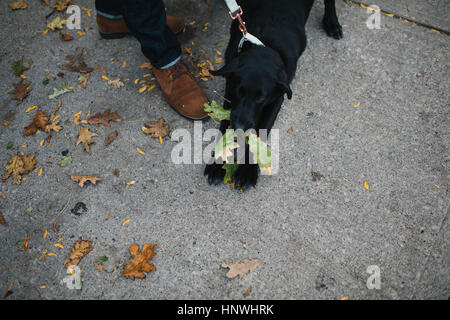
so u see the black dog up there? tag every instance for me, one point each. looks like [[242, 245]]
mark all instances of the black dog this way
[[257, 77]]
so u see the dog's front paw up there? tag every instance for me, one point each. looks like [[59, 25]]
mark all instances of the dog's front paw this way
[[215, 173], [333, 30], [246, 176]]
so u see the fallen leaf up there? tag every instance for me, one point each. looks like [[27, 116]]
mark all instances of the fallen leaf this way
[[126, 222], [111, 137], [140, 151], [241, 268], [248, 292], [83, 79], [56, 23], [9, 290], [139, 262], [83, 179], [45, 234], [62, 5], [65, 161], [104, 118], [18, 165], [366, 185], [40, 122], [20, 91], [65, 36], [21, 4], [76, 64], [18, 67], [84, 137], [158, 130], [99, 266], [54, 126], [2, 220], [43, 254], [116, 83], [60, 91], [79, 250]]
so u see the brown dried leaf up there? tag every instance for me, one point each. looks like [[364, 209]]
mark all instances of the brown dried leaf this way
[[241, 268], [18, 165], [2, 220], [99, 266], [20, 4], [248, 292], [111, 137], [20, 91], [62, 5], [79, 250], [83, 79], [40, 122], [83, 179], [53, 126], [158, 130], [65, 36], [104, 118], [76, 64], [116, 83], [85, 138], [139, 262]]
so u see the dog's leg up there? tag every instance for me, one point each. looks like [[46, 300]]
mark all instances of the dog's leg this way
[[246, 175], [331, 22], [214, 171]]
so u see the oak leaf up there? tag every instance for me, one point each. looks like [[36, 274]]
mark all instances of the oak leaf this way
[[2, 220], [40, 122], [139, 262], [76, 64], [84, 137], [111, 137], [20, 91], [104, 118], [54, 126], [241, 268], [65, 36], [79, 250], [18, 165], [116, 83], [83, 179], [56, 23], [61, 5], [20, 4], [158, 130]]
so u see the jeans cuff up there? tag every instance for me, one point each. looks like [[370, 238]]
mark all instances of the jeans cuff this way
[[171, 64], [110, 16]]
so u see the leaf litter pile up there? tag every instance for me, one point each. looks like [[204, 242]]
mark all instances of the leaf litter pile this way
[[21, 166]]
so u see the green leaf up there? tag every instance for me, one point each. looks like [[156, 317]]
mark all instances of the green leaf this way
[[30, 209], [62, 89], [261, 153], [9, 145], [225, 146], [221, 44], [65, 161], [45, 81], [216, 112], [18, 67], [230, 169], [102, 259]]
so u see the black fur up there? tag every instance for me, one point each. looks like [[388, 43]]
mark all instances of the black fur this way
[[258, 77]]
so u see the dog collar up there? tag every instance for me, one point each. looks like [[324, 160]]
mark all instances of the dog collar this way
[[250, 38]]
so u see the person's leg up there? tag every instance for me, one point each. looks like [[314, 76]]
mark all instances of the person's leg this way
[[146, 20]]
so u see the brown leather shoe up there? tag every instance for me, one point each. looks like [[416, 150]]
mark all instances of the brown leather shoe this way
[[117, 28], [181, 91]]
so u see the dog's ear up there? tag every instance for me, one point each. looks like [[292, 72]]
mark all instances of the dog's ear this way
[[283, 83], [228, 69]]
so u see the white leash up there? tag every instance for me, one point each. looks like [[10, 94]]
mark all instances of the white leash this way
[[236, 12]]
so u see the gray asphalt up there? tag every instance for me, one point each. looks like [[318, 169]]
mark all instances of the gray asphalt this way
[[315, 238]]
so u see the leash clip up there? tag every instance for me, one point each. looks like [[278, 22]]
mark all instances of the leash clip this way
[[238, 16]]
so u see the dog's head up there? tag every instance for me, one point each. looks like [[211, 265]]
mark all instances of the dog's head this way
[[258, 80]]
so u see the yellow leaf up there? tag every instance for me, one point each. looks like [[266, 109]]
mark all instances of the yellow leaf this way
[[357, 105], [142, 89], [344, 298], [126, 222], [147, 75], [151, 87], [43, 287], [80, 33], [160, 140], [437, 186], [45, 31], [60, 239], [40, 172], [45, 234], [366, 185], [23, 76], [42, 142], [56, 117], [51, 254], [124, 64], [31, 108], [58, 245], [136, 81], [140, 151], [105, 78]]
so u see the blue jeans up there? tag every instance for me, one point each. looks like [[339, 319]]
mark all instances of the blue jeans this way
[[146, 20]]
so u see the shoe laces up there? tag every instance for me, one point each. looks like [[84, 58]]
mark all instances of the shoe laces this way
[[177, 70]]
